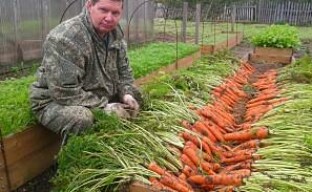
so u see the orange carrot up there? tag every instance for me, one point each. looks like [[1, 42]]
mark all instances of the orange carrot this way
[[215, 131], [210, 166], [240, 165], [200, 153], [245, 135], [182, 176], [251, 144], [156, 168], [241, 172], [237, 158], [173, 183], [192, 155], [187, 161], [159, 186], [218, 179], [188, 171], [188, 137], [229, 154]]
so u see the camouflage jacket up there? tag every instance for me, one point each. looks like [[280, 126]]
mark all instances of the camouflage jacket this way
[[81, 69]]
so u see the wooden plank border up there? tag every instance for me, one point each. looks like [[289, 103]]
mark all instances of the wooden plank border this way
[[271, 55], [227, 44], [29, 153], [180, 64]]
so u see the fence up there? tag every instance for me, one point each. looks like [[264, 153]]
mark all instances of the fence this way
[[25, 23], [265, 11]]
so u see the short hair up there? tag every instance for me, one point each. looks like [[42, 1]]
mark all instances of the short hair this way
[[95, 1]]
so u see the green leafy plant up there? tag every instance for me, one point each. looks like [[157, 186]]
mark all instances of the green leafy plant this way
[[278, 36], [146, 59]]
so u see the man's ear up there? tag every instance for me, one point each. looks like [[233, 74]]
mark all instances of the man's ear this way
[[88, 4]]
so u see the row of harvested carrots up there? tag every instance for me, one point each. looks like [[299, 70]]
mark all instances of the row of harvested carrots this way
[[218, 151]]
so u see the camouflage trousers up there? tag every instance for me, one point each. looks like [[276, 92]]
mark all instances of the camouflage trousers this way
[[65, 119]]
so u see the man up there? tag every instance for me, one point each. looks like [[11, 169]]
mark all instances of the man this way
[[85, 66]]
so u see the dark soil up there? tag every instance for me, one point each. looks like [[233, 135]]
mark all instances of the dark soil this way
[[40, 183]]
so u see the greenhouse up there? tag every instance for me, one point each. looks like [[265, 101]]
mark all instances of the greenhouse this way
[[155, 96]]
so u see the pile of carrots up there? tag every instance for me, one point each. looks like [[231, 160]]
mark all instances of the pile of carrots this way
[[218, 151]]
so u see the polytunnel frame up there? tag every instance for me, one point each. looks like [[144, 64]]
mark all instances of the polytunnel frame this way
[[175, 22]]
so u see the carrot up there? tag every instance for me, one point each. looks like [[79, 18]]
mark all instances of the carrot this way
[[240, 165], [159, 186], [188, 137], [173, 183], [263, 97], [251, 144], [187, 161], [192, 155], [157, 169], [245, 135], [207, 168], [207, 187], [218, 179], [186, 125], [274, 102], [214, 130], [188, 171], [210, 166], [244, 126], [200, 153], [237, 158], [201, 128], [207, 114], [182, 176], [229, 154], [241, 172]]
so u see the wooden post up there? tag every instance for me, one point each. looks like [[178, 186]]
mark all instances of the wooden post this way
[[184, 22], [16, 17], [5, 183], [44, 19], [198, 15], [233, 18]]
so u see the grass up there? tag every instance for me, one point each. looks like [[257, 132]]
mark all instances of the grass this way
[[15, 111]]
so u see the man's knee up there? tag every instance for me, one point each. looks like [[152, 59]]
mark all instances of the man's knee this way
[[80, 118], [66, 119]]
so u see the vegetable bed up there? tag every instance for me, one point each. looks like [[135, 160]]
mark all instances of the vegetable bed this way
[[15, 113], [189, 137]]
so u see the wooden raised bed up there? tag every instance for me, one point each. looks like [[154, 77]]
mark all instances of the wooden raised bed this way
[[180, 64], [227, 44], [27, 154], [271, 55]]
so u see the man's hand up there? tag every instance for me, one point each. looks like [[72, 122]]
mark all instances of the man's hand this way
[[117, 108], [132, 104]]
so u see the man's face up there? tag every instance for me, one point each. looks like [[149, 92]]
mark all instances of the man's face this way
[[105, 15]]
